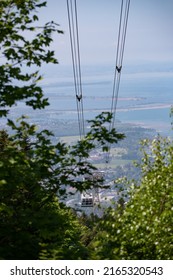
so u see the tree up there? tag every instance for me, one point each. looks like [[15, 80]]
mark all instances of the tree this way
[[34, 173], [23, 44], [145, 228]]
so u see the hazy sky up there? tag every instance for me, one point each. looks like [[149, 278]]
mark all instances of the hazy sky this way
[[149, 34]]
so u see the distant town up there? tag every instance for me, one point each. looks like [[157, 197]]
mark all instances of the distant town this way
[[119, 165]]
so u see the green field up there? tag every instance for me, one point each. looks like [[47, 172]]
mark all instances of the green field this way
[[115, 152], [112, 164], [69, 139]]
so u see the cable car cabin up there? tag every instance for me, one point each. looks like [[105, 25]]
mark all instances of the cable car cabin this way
[[87, 201]]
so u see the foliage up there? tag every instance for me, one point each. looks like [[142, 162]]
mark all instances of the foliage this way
[[23, 44], [33, 222], [144, 229], [33, 174]]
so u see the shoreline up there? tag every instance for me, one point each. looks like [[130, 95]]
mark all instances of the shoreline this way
[[145, 107]]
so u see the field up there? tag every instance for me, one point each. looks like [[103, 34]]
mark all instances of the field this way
[[69, 139], [113, 163]]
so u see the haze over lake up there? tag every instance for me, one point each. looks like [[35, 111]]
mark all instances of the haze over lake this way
[[145, 95]]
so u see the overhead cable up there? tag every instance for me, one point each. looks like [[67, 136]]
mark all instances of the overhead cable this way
[[124, 13], [119, 56], [75, 52]]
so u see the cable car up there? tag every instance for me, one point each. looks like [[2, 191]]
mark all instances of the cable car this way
[[87, 200]]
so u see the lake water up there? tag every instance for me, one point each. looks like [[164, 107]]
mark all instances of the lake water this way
[[145, 95]]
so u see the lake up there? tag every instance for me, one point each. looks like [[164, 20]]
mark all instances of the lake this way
[[145, 95]]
